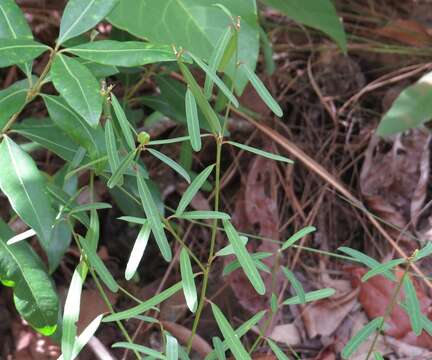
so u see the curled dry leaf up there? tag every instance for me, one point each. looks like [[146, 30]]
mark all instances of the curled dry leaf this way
[[375, 296]]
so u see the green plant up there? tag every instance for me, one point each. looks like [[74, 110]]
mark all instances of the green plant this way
[[94, 132]]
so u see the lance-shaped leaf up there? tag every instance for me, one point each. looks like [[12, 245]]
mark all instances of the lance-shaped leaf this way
[[124, 53], [123, 122], [193, 125], [297, 236], [137, 251], [171, 163], [295, 284], [203, 215], [310, 296], [111, 145], [277, 350], [153, 215], [140, 348], [232, 340], [74, 125], [172, 347], [187, 275], [81, 15], [25, 187], [260, 152], [17, 51], [413, 306], [78, 86], [34, 294], [382, 268], [193, 188], [12, 100], [117, 175], [245, 259]]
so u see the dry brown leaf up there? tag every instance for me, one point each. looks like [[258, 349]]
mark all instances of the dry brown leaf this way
[[287, 334], [408, 32]]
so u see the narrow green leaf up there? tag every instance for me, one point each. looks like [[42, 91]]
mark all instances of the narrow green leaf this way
[[311, 296], [124, 53], [193, 188], [244, 258], [354, 343], [172, 347], [134, 219], [12, 100], [117, 175], [169, 141], [199, 215], [22, 236], [216, 57], [261, 90], [261, 152], [276, 350], [426, 251], [137, 251], [234, 265], [99, 266], [295, 284], [78, 87], [202, 102], [152, 214], [18, 51], [228, 250], [146, 305], [85, 337], [171, 163], [413, 306], [123, 122], [111, 145], [192, 121], [71, 313], [232, 340], [382, 268], [365, 260], [187, 276], [220, 84], [218, 348], [140, 348], [426, 324], [25, 188], [81, 15], [378, 356], [34, 294], [297, 236], [88, 207]]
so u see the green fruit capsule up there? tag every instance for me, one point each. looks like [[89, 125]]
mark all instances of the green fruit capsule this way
[[143, 138]]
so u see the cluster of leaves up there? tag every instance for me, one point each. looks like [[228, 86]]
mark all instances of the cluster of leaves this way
[[93, 131]]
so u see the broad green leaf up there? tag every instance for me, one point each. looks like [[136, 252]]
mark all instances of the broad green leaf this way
[[218, 348], [140, 348], [228, 250], [172, 347], [112, 151], [192, 121], [99, 266], [216, 58], [117, 175], [276, 350], [71, 312], [13, 25], [261, 152], [153, 215], [261, 90], [124, 53], [413, 306], [382, 268], [311, 296], [297, 236], [171, 163], [202, 102], [43, 132], [25, 187], [411, 108], [18, 51], [232, 340], [244, 258], [295, 284], [85, 337], [34, 294], [137, 251], [12, 100], [189, 288], [75, 126], [193, 188], [354, 343], [146, 305], [195, 25], [123, 122], [78, 87], [81, 15], [365, 260], [88, 207], [99, 71], [203, 215], [213, 76], [320, 15]]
